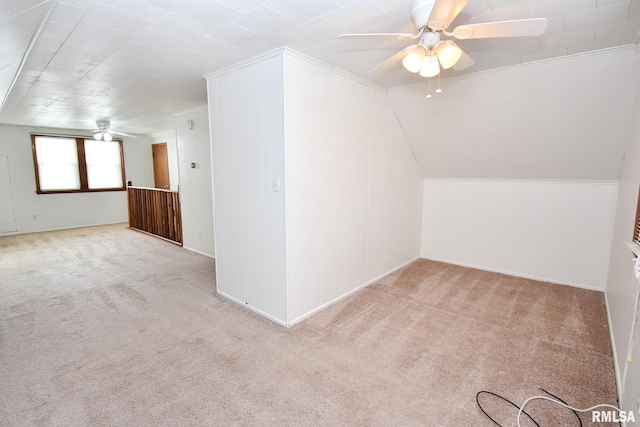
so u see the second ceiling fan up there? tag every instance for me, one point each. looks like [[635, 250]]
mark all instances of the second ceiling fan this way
[[431, 52]]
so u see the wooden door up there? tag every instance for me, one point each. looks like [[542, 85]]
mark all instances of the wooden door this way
[[160, 165]]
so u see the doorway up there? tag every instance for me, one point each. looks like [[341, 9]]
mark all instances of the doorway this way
[[160, 165]]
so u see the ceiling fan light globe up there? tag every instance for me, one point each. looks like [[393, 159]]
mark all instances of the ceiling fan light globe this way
[[413, 61], [97, 136], [448, 54], [430, 67], [107, 137]]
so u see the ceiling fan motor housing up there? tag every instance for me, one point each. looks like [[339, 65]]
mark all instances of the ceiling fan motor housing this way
[[103, 124]]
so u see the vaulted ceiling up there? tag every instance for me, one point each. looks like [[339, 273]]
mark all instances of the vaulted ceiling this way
[[66, 63]]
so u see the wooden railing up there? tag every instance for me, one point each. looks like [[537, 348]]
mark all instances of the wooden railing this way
[[155, 211]]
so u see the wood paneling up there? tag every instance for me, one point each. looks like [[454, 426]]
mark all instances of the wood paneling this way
[[354, 189], [155, 211], [247, 137]]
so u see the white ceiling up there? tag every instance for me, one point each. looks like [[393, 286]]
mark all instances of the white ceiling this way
[[66, 63]]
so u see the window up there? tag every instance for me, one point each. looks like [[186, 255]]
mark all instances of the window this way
[[68, 164]]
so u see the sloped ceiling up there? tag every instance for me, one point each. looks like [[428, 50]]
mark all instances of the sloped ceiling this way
[[137, 63], [567, 119]]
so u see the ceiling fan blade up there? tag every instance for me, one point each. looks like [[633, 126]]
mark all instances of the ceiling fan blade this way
[[399, 36], [464, 62], [392, 60], [122, 133], [516, 28], [444, 12]]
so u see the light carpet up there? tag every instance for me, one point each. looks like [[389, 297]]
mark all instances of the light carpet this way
[[104, 326]]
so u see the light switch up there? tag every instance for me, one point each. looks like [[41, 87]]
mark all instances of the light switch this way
[[275, 184]]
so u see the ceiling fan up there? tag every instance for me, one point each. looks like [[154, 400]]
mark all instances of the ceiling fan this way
[[104, 134], [431, 52]]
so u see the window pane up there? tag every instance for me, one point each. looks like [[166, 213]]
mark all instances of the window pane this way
[[57, 163], [104, 168]]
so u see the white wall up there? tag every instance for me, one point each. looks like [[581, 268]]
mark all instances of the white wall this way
[[38, 212], [622, 288], [565, 119], [169, 137], [247, 147], [196, 194], [546, 230], [348, 200], [353, 188]]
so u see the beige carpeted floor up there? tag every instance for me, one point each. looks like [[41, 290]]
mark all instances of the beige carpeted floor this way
[[105, 326]]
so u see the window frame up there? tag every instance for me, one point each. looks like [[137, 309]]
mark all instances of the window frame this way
[[82, 166]]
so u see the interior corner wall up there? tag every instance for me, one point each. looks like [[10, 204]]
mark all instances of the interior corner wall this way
[[247, 148], [196, 194], [353, 187], [556, 231], [40, 212], [622, 288]]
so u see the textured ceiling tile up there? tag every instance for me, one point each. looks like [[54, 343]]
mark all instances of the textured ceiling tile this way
[[601, 3], [211, 47], [157, 39], [178, 26], [16, 33], [316, 31], [518, 11], [394, 7], [101, 14], [358, 15], [210, 13], [480, 45], [569, 39], [140, 60], [545, 54], [600, 16], [626, 30], [82, 4], [473, 8], [242, 6], [600, 44], [149, 8], [234, 35], [66, 15], [634, 10], [555, 27], [264, 21], [10, 9], [398, 24], [301, 11], [94, 32], [554, 8], [502, 4]]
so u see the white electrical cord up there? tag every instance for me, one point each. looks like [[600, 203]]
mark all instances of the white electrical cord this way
[[602, 405]]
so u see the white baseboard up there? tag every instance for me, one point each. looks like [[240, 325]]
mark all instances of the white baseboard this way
[[15, 233], [199, 252], [351, 292], [616, 367], [515, 274], [253, 309]]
